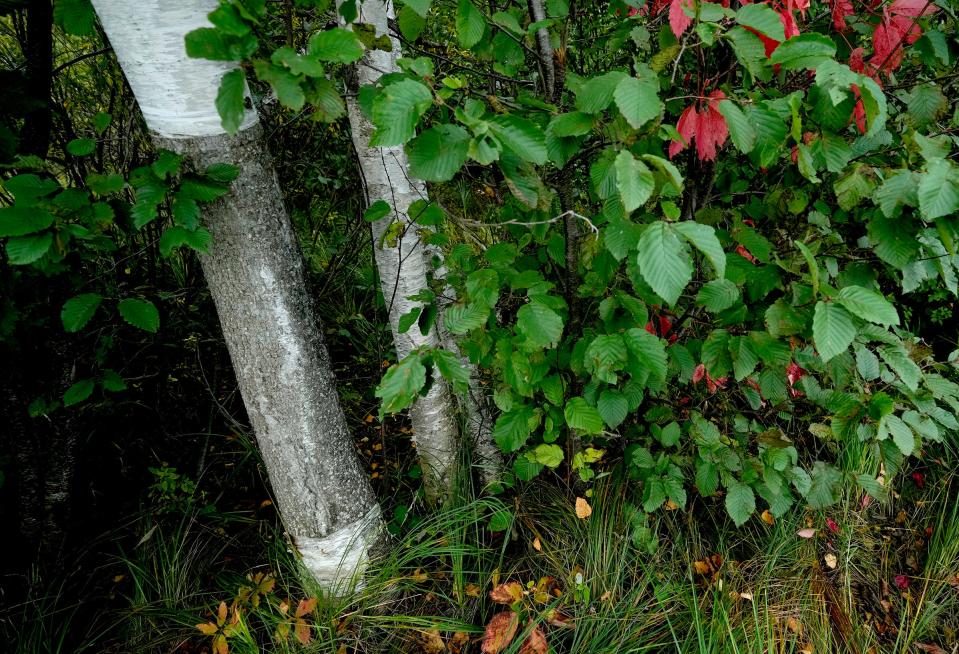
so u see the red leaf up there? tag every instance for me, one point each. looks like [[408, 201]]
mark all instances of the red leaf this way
[[500, 632], [841, 9], [901, 581], [678, 20], [699, 373], [833, 527], [535, 642], [913, 8], [745, 254], [794, 373], [687, 126], [712, 131]]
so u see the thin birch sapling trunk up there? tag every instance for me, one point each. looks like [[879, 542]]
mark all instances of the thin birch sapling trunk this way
[[255, 274], [402, 259]]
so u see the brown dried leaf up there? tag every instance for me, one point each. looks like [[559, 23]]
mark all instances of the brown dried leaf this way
[[221, 613], [432, 642], [508, 593], [207, 629], [583, 509], [472, 590], [535, 642], [305, 607], [930, 648], [220, 645], [768, 517], [302, 632], [537, 545], [500, 632], [794, 626]]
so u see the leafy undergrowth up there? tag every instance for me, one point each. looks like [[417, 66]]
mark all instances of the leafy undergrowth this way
[[572, 573]]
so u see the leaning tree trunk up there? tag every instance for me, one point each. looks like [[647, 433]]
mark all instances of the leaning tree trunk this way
[[255, 275], [403, 267]]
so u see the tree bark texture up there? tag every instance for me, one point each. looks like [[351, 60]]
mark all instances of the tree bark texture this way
[[402, 262], [255, 274]]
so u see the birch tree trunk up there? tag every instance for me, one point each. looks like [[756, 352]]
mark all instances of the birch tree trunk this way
[[402, 265], [255, 275]]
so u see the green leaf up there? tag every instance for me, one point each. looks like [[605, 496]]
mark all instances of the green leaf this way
[[470, 24], [741, 131], [868, 305], [548, 455], [703, 238], [902, 435], [540, 325], [740, 502], [437, 154], [396, 111], [78, 310], [230, 100], [287, 86], [460, 319], [597, 93], [511, 430], [897, 358], [223, 173], [605, 356], [938, 190], [638, 101], [833, 330], [452, 370], [574, 123], [763, 19], [421, 7], [20, 221], [76, 17], [664, 261], [580, 415], [22, 250], [81, 147], [613, 407], [524, 138], [804, 51], [337, 45], [142, 314], [824, 485], [105, 184], [112, 381], [898, 190], [634, 180], [198, 239], [402, 384], [411, 24], [649, 352], [718, 295], [79, 392], [750, 52]]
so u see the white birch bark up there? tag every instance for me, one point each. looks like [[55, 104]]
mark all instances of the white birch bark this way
[[402, 265], [255, 275]]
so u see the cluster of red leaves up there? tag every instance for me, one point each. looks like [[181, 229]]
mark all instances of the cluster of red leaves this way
[[706, 126], [897, 27], [712, 385], [662, 328], [502, 627]]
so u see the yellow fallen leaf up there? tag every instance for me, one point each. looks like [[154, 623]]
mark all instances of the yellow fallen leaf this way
[[794, 625], [583, 509], [768, 517], [831, 560], [537, 545]]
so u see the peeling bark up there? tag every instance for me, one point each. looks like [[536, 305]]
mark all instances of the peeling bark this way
[[255, 274]]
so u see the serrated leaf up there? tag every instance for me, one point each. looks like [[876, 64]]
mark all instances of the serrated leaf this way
[[336, 45], [833, 330], [524, 138], [20, 221], [580, 415], [78, 310], [741, 130], [664, 261], [740, 502], [198, 239], [401, 384], [763, 19], [230, 100], [804, 51], [79, 392], [868, 305], [649, 352], [437, 154], [81, 147], [142, 314], [597, 93], [638, 101], [718, 295], [22, 250], [396, 111], [901, 434], [223, 173], [605, 356], [452, 369], [540, 325], [897, 358], [938, 190], [634, 181], [470, 24], [460, 319], [613, 407], [511, 430], [703, 238]]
